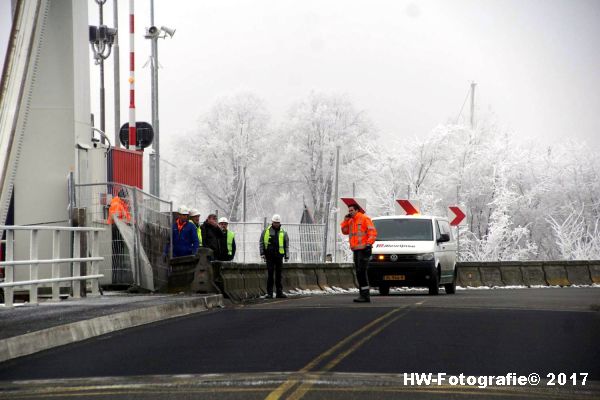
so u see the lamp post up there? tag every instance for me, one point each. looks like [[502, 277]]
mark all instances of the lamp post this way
[[101, 39], [154, 33]]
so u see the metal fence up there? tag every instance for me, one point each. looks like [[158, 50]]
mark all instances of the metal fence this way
[[133, 245], [306, 241], [85, 242]]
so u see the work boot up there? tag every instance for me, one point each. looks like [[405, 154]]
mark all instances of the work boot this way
[[281, 296], [364, 297], [268, 296]]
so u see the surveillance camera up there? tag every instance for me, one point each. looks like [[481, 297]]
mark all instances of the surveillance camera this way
[[152, 32], [168, 30]]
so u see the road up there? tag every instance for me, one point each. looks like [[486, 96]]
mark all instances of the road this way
[[329, 347]]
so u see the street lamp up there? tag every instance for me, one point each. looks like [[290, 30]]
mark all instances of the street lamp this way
[[154, 33]]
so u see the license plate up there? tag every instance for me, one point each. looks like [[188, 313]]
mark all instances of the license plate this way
[[394, 277]]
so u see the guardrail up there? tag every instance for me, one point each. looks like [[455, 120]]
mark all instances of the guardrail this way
[[34, 262]]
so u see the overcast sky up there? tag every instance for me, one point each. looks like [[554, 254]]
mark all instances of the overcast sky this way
[[408, 64]]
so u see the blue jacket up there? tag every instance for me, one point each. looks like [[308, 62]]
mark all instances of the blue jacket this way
[[185, 243]]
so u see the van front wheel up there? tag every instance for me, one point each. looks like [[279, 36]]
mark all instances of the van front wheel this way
[[434, 286], [451, 287]]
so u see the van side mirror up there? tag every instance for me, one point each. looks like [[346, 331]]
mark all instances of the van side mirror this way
[[444, 237]]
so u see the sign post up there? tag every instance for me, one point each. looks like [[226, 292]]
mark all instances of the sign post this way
[[456, 216]]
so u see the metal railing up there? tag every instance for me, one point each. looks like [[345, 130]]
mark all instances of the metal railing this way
[[34, 262]]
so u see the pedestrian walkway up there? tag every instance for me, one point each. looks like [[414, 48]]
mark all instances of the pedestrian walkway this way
[[26, 329]]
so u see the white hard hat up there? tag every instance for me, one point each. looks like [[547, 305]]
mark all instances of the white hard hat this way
[[194, 212], [183, 210], [276, 218], [223, 219]]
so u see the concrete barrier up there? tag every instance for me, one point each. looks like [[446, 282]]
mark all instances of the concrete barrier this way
[[192, 274], [311, 281], [321, 276], [347, 276], [511, 274], [233, 282], [533, 274], [252, 284], [578, 273], [555, 273], [594, 267], [242, 282], [468, 274], [490, 274]]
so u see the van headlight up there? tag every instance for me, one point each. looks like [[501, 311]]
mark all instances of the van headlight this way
[[424, 257]]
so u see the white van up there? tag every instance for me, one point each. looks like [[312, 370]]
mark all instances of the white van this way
[[413, 250]]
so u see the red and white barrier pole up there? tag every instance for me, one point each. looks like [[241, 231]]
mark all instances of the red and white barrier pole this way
[[132, 130]]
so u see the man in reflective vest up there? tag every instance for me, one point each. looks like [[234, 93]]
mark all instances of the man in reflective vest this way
[[362, 235], [227, 242], [195, 219], [274, 248]]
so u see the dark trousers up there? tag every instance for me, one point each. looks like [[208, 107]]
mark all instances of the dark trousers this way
[[361, 261], [274, 265]]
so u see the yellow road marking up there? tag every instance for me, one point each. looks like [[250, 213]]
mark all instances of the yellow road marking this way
[[276, 394], [301, 391]]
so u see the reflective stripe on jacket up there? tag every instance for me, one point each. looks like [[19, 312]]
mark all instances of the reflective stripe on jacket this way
[[361, 231]]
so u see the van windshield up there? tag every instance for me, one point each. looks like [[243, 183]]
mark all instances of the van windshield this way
[[403, 229]]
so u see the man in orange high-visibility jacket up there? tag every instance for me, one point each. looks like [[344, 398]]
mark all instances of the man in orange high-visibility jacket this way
[[362, 234], [119, 209]]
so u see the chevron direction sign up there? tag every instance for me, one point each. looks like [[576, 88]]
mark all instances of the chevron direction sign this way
[[347, 201], [407, 207], [456, 216]]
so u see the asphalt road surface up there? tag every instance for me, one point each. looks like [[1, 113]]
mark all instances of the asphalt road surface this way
[[323, 347]]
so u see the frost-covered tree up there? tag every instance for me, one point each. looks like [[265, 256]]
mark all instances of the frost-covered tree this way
[[227, 147], [503, 241], [576, 239], [315, 127]]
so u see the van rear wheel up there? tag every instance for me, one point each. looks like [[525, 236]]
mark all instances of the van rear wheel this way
[[384, 290]]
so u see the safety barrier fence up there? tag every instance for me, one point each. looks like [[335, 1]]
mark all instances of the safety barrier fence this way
[[306, 241], [137, 244], [87, 236]]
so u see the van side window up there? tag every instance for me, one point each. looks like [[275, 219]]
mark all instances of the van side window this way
[[437, 230], [445, 228]]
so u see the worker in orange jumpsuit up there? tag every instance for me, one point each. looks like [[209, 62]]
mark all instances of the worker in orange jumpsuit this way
[[119, 209], [362, 234]]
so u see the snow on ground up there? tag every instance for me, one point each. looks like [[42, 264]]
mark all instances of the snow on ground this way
[[336, 290]]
